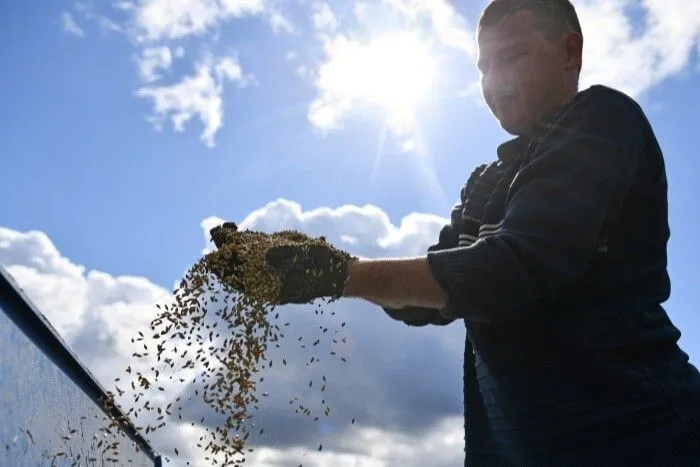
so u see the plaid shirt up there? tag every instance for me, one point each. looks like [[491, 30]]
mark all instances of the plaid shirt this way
[[555, 258]]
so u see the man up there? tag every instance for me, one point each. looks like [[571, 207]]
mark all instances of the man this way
[[555, 260]]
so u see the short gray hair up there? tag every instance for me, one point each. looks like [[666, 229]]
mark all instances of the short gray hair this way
[[554, 17]]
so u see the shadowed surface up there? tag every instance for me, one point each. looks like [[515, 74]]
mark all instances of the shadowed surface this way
[[46, 417]]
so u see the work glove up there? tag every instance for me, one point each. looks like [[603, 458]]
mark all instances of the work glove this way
[[418, 316], [218, 233], [307, 272]]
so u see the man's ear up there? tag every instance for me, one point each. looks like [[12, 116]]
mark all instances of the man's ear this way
[[573, 51]]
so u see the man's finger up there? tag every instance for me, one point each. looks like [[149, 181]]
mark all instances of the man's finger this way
[[217, 236], [226, 225], [218, 233]]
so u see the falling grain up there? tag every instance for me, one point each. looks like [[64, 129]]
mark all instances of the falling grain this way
[[227, 371]]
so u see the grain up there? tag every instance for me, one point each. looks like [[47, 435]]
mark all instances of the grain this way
[[223, 335]]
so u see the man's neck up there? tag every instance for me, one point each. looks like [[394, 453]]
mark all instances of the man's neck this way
[[549, 116]]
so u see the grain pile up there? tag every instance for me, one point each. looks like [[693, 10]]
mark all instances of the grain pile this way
[[223, 337]]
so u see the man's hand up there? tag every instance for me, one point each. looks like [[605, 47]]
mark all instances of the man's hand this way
[[307, 272]]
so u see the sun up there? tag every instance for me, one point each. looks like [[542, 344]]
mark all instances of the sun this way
[[392, 71], [398, 72]]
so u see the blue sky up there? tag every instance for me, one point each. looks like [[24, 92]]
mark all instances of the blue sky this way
[[85, 164]]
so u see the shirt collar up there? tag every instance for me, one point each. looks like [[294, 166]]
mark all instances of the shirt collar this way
[[513, 148]]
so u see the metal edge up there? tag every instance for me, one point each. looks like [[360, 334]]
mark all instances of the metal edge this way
[[39, 330]]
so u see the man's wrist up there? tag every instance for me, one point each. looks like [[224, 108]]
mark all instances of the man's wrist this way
[[395, 283], [351, 270]]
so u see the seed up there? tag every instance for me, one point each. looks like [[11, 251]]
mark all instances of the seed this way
[[226, 371]]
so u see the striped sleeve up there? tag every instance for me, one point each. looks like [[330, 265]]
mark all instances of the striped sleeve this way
[[578, 177]]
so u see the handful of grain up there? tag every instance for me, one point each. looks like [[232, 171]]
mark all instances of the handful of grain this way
[[249, 247]]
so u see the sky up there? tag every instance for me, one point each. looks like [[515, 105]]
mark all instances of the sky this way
[[129, 128]]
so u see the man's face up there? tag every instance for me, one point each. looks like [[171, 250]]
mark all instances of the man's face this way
[[522, 75]]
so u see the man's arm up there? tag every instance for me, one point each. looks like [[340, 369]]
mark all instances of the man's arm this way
[[395, 283], [557, 208], [422, 316]]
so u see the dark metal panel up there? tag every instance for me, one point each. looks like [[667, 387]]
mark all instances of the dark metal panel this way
[[49, 402]]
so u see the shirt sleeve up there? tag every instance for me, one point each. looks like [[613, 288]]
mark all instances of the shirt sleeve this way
[[421, 316], [578, 177]]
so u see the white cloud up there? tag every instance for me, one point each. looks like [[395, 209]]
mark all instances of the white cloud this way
[[197, 95], [108, 25], [124, 5], [634, 57], [156, 24], [307, 73], [90, 13], [69, 25], [349, 239], [229, 68], [153, 59], [174, 19], [450, 28], [441, 446], [370, 227], [280, 23], [323, 18], [98, 314], [360, 11], [207, 224], [68, 294]]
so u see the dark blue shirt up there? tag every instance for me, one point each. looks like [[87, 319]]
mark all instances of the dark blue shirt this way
[[555, 259]]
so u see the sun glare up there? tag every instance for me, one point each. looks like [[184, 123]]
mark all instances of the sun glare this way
[[393, 71], [398, 71]]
